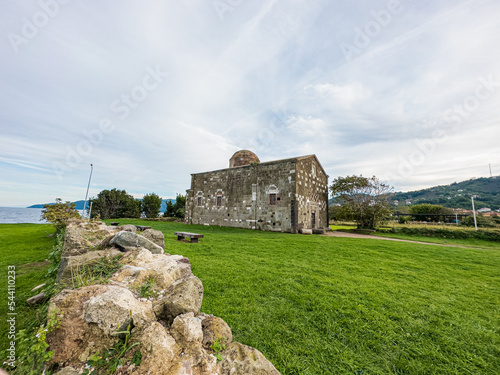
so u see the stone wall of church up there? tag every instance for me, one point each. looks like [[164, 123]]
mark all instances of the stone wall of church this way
[[259, 196], [311, 194]]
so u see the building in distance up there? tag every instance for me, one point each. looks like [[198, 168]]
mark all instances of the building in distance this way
[[289, 195]]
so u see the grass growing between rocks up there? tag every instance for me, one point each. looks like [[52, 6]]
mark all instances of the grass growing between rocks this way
[[323, 305], [25, 246]]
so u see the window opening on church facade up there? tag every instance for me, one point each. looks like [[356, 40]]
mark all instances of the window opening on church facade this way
[[272, 199]]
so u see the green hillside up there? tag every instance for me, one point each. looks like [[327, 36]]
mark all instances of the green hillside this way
[[457, 195]]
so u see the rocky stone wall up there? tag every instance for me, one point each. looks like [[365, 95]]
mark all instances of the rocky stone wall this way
[[164, 325]]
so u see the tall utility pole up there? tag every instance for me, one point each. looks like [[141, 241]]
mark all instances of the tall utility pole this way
[[87, 194], [474, 212], [490, 170]]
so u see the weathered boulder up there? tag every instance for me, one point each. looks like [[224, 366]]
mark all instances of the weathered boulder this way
[[90, 317], [115, 308], [158, 349], [140, 265], [155, 236], [70, 265], [214, 328], [239, 359], [68, 371], [128, 228], [36, 299], [183, 296], [186, 329], [129, 241], [81, 236], [75, 340]]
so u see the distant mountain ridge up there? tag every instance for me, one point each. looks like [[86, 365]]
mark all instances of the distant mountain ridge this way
[[456, 195], [79, 204]]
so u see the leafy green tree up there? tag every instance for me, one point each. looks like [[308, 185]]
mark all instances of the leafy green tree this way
[[59, 213], [180, 206], [169, 212], [364, 200], [176, 209], [113, 204], [151, 204]]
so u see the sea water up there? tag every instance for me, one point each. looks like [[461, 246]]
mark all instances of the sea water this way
[[15, 215]]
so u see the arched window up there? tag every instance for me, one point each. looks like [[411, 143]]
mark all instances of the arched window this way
[[273, 195], [219, 199]]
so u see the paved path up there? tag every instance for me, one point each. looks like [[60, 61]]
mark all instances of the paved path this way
[[372, 237]]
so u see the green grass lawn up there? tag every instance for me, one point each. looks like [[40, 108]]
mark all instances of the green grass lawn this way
[[326, 305], [323, 305], [25, 246]]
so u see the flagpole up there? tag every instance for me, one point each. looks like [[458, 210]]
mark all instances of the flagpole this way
[[87, 194]]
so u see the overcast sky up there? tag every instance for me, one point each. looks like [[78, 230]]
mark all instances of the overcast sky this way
[[152, 91]]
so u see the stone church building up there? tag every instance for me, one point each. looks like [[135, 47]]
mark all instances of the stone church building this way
[[289, 195]]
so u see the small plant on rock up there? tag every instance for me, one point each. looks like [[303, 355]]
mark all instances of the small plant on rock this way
[[148, 288], [108, 361], [218, 345]]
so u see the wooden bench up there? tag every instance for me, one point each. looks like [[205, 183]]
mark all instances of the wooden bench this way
[[192, 236], [142, 227]]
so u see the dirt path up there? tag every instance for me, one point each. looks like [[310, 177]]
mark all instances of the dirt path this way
[[372, 237]]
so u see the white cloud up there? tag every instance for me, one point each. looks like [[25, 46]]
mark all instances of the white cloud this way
[[269, 76]]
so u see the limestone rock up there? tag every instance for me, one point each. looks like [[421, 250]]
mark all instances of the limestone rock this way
[[194, 362], [68, 371], [75, 339], [128, 228], [155, 236], [158, 349], [183, 296], [186, 328], [239, 359], [36, 299], [214, 328], [81, 236], [71, 264], [128, 241], [111, 310], [141, 265]]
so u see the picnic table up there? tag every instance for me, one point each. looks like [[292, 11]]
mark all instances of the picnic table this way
[[192, 236]]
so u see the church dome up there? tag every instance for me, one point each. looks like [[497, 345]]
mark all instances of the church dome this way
[[243, 157]]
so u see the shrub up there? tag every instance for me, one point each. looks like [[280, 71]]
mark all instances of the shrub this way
[[487, 235], [483, 222], [59, 213]]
